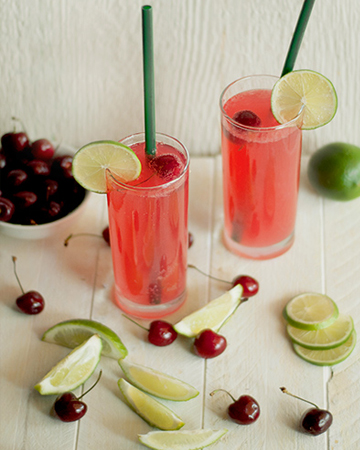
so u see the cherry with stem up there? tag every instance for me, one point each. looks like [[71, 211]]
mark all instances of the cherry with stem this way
[[104, 235], [244, 411], [69, 408], [160, 333], [31, 302], [315, 420]]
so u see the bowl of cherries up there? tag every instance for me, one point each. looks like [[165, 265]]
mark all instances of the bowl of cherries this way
[[38, 193]]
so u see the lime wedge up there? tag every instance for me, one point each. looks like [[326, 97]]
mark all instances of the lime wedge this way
[[327, 357], [181, 440], [311, 311], [306, 92], [326, 338], [91, 162], [72, 333], [157, 383], [149, 409], [213, 315], [73, 370]]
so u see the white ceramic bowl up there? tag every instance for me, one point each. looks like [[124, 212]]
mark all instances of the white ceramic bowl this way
[[47, 229]]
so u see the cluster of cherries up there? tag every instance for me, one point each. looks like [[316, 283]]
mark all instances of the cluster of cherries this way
[[36, 186]]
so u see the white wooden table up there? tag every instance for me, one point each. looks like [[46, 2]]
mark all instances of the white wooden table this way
[[76, 281]]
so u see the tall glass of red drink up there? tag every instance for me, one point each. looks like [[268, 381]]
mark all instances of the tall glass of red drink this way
[[148, 229], [261, 165]]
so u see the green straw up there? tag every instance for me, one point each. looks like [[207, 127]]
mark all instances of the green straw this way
[[297, 36], [149, 90]]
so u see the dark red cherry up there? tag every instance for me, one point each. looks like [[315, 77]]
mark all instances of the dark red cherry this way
[[7, 209], [167, 166], [39, 167], [31, 302], [52, 210], [244, 411], [42, 149], [16, 177], [24, 199], [190, 239], [68, 408], [209, 344], [2, 160], [161, 333], [247, 118], [51, 188], [16, 142], [62, 166], [106, 235], [249, 284], [316, 421]]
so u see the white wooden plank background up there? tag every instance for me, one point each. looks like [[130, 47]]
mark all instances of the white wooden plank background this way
[[72, 71], [76, 282]]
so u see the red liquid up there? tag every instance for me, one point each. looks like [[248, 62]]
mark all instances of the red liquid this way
[[148, 235], [261, 176]]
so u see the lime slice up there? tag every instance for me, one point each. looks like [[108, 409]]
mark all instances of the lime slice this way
[[327, 357], [91, 162], [311, 311], [326, 338], [306, 92], [149, 409], [181, 440], [74, 369], [157, 383], [72, 333], [213, 315]]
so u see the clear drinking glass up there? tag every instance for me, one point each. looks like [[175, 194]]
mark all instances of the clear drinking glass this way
[[148, 231], [261, 166]]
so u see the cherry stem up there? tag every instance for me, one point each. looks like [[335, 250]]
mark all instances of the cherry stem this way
[[71, 236], [20, 122], [222, 390], [191, 266], [92, 387], [285, 391], [133, 321], [16, 275]]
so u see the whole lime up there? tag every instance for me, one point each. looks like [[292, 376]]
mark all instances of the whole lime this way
[[334, 171]]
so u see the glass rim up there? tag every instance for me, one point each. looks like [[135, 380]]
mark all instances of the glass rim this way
[[141, 137], [280, 126]]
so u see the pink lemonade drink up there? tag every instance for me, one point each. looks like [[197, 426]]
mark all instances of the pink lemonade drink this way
[[148, 230], [261, 165]]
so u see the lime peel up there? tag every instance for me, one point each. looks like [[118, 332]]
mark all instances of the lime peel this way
[[71, 333], [73, 370], [181, 440], [157, 383], [149, 409]]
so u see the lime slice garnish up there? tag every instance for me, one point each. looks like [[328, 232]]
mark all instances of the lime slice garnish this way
[[327, 357], [213, 315], [91, 162], [311, 311], [157, 383], [72, 333], [326, 338], [149, 409], [307, 92], [181, 440], [73, 370]]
